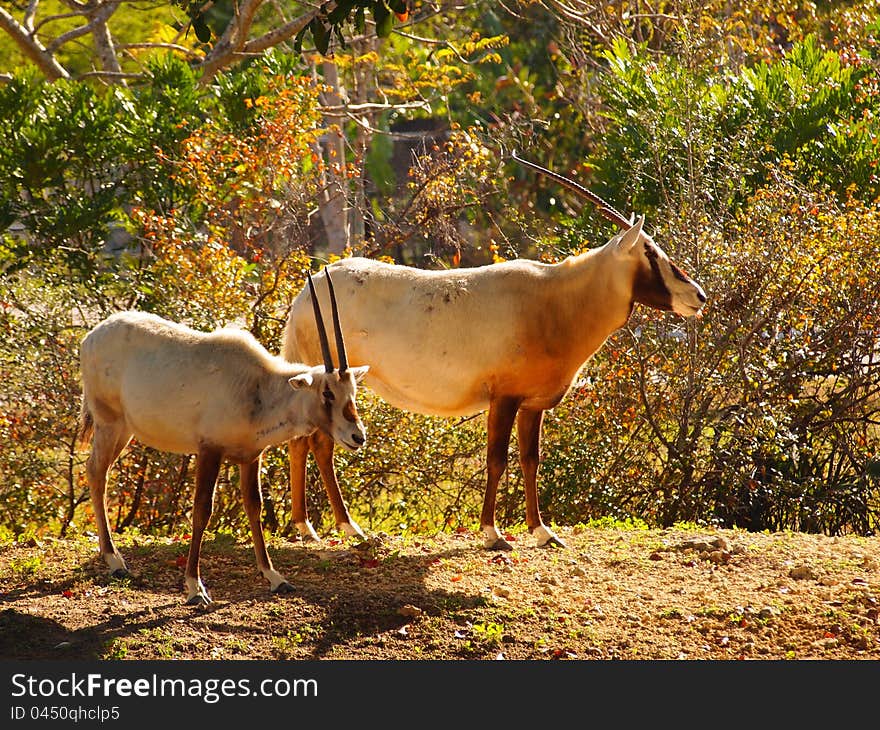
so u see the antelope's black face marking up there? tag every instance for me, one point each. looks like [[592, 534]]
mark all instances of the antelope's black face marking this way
[[340, 417], [679, 274], [649, 287], [328, 397]]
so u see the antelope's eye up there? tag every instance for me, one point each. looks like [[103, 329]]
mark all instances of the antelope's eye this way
[[328, 394]]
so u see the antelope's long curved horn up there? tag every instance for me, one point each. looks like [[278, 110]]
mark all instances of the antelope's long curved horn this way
[[340, 343], [322, 333], [605, 208]]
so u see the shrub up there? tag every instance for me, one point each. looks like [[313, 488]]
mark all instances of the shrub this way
[[676, 129], [764, 413], [40, 479], [74, 159]]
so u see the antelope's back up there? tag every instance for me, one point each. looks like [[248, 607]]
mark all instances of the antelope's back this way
[[435, 341], [172, 385]]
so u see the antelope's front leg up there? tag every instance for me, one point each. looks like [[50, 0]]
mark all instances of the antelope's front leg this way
[[298, 454], [253, 504], [322, 447], [528, 424], [207, 469]]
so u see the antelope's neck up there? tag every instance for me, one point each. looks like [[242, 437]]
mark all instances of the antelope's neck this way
[[279, 413], [596, 297]]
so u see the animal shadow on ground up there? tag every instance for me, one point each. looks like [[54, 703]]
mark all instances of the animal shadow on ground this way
[[25, 636], [342, 594]]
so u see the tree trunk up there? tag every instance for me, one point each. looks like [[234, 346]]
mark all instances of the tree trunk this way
[[333, 203]]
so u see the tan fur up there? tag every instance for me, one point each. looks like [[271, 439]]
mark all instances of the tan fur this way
[[219, 395], [445, 342], [455, 342], [176, 388]]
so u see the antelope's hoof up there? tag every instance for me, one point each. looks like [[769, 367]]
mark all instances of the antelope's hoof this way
[[282, 589], [545, 537], [120, 574], [500, 544], [199, 599], [553, 542], [307, 532], [351, 529]]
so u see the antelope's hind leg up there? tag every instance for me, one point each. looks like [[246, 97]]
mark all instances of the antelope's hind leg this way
[[108, 441]]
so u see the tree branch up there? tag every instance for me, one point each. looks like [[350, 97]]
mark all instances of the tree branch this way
[[185, 50], [280, 34], [229, 47], [102, 38], [28, 43]]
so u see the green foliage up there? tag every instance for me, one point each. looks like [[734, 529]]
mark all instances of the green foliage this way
[[411, 456], [795, 434], [609, 523], [816, 108], [40, 483], [674, 127], [208, 22], [74, 159], [757, 168], [238, 90], [488, 634], [27, 567], [378, 164], [762, 415], [62, 148]]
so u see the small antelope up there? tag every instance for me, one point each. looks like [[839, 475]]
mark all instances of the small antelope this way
[[219, 395], [511, 337]]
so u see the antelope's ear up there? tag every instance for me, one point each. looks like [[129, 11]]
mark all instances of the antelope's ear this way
[[303, 380], [630, 237], [359, 372]]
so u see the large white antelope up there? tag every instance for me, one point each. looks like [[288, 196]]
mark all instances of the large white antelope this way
[[219, 395], [511, 337]]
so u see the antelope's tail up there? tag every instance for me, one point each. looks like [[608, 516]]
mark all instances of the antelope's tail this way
[[86, 425]]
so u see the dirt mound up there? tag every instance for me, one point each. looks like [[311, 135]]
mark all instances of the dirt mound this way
[[611, 594]]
